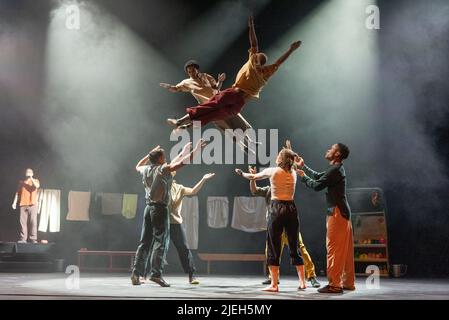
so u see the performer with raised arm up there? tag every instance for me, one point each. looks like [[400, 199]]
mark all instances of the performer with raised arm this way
[[283, 216], [203, 87], [308, 263], [250, 80], [157, 179]]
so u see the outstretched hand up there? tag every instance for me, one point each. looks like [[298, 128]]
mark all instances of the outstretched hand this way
[[222, 77], [295, 45], [167, 86], [200, 144], [250, 21], [252, 170], [207, 176], [239, 172]]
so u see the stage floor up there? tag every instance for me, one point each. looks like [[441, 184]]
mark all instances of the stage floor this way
[[118, 286]]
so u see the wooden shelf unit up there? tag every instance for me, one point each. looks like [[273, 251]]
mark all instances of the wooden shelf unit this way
[[369, 222]]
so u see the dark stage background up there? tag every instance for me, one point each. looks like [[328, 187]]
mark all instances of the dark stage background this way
[[82, 107]]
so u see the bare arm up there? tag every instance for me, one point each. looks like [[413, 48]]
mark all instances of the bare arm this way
[[288, 144], [293, 47], [250, 176], [144, 161], [252, 34], [183, 152], [193, 191], [175, 165], [216, 84], [14, 203], [35, 182], [252, 183], [169, 87], [253, 186]]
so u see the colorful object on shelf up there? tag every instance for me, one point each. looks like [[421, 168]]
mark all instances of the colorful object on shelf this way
[[370, 241]]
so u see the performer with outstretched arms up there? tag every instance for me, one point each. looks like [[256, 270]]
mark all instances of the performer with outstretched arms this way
[[203, 86], [177, 233], [283, 216], [157, 179], [308, 263], [250, 80]]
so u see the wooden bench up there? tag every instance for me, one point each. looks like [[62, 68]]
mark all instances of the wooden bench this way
[[109, 254], [209, 257]]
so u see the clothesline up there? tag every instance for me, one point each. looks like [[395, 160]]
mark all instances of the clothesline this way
[[248, 213]]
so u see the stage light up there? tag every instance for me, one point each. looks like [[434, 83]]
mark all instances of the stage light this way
[[208, 36], [329, 86], [102, 83]]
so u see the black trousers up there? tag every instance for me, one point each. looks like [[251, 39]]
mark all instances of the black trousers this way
[[178, 238], [154, 240], [283, 215]]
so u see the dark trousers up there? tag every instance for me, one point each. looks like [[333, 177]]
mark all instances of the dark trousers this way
[[154, 240], [283, 215], [28, 223], [178, 237]]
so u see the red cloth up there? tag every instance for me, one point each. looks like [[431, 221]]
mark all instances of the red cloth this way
[[223, 105]]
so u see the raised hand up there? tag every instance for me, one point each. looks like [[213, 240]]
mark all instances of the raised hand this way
[[221, 77], [252, 170], [200, 144], [207, 176], [288, 144], [250, 21], [239, 172], [295, 45]]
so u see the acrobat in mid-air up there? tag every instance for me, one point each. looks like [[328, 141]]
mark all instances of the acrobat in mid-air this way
[[250, 80], [203, 87]]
